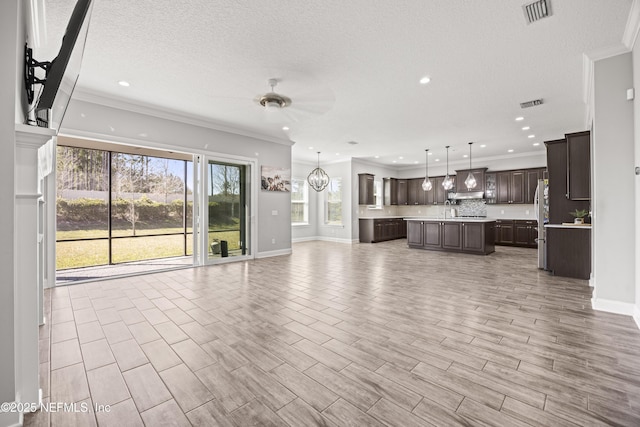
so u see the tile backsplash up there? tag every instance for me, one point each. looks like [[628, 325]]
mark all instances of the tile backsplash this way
[[474, 207]]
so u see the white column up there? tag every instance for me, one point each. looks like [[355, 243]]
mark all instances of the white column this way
[[28, 275]]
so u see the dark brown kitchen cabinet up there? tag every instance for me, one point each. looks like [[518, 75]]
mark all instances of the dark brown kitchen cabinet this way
[[374, 230], [403, 191], [415, 194], [569, 252], [440, 195], [532, 176], [478, 237], [578, 165], [559, 203], [365, 189], [504, 232], [525, 233], [390, 191], [452, 236], [510, 187], [478, 174], [432, 234]]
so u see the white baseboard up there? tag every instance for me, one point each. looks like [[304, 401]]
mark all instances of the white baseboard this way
[[304, 239], [324, 239], [278, 252], [636, 315], [612, 306]]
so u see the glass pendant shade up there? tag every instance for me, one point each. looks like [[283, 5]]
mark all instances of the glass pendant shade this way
[[426, 184], [470, 182], [447, 184], [318, 178]]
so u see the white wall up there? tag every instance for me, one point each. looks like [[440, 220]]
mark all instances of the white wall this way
[[10, 112], [88, 119], [636, 122], [613, 203]]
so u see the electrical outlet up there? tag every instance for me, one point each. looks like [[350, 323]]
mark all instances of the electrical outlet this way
[[527, 212], [274, 213], [273, 241]]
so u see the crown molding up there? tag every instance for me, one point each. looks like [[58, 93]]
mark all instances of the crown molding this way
[[633, 26], [81, 94]]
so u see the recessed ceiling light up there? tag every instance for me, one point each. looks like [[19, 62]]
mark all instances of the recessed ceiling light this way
[[465, 156], [377, 157], [431, 154], [519, 119], [425, 80], [337, 154], [400, 157], [83, 115], [437, 160], [124, 83], [526, 128], [394, 161], [531, 136], [510, 150], [144, 135], [285, 127], [535, 144], [310, 148]]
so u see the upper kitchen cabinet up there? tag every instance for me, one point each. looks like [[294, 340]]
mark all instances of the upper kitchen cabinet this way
[[510, 187], [478, 174], [578, 165], [415, 194], [532, 177], [365, 189], [559, 202], [395, 191]]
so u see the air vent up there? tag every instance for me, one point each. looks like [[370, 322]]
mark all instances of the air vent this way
[[531, 103], [536, 11]]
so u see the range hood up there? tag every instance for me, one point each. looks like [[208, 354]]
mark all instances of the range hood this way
[[467, 196]]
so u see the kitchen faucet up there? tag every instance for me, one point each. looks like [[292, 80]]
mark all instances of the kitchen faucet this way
[[446, 202]]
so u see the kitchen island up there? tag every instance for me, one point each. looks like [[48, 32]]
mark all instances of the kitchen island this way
[[467, 235]]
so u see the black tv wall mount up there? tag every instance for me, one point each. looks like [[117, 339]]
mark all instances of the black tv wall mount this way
[[30, 65]]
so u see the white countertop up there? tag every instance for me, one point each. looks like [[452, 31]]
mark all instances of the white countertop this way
[[575, 227], [457, 219], [381, 217]]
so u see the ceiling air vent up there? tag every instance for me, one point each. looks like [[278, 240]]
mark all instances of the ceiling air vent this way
[[536, 11], [531, 103]]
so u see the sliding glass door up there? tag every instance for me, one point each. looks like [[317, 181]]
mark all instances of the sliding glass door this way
[[226, 211]]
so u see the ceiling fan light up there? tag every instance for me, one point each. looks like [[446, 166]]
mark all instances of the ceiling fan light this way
[[272, 105]]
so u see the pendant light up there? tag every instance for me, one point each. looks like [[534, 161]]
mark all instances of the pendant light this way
[[426, 184], [470, 182], [318, 178], [448, 181]]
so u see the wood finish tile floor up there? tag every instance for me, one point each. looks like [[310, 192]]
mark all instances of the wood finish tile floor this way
[[341, 335]]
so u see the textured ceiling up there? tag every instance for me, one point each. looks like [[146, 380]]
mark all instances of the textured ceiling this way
[[352, 68]]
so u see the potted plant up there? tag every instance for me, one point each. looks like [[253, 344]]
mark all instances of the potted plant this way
[[579, 215]]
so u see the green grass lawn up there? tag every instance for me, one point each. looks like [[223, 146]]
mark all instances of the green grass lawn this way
[[95, 252]]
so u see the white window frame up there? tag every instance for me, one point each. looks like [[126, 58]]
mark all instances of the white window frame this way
[[304, 202], [328, 192]]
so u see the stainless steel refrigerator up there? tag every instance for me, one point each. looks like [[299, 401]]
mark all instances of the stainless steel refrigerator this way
[[541, 203]]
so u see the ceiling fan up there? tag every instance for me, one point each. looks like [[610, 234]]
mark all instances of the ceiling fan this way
[[273, 101]]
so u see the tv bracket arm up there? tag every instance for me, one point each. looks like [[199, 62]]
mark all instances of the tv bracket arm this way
[[30, 66]]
